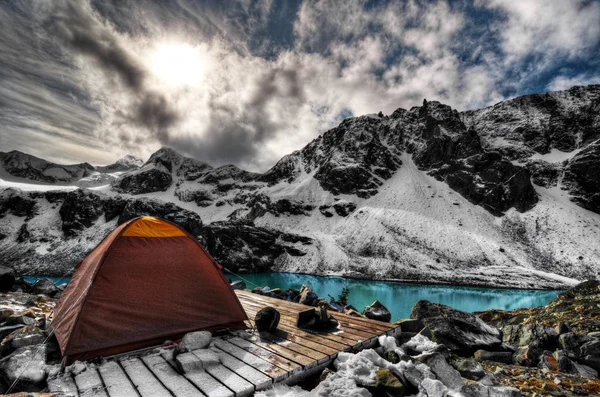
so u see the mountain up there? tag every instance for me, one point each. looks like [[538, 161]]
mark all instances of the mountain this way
[[503, 196], [126, 163], [18, 167]]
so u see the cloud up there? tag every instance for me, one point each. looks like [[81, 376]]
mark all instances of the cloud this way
[[266, 78]]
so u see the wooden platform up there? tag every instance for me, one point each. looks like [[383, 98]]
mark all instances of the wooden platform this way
[[250, 361]]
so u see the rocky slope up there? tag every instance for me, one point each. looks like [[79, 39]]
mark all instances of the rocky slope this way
[[504, 196]]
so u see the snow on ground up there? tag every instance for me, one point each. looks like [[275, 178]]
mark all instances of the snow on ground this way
[[555, 156], [33, 187]]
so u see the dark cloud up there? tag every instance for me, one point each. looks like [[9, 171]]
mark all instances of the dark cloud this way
[[83, 31]]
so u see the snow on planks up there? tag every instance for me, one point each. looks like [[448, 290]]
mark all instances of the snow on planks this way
[[250, 360]]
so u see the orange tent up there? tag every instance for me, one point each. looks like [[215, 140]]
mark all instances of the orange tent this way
[[146, 282]]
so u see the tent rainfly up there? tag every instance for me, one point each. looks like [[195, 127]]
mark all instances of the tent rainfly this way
[[146, 282]]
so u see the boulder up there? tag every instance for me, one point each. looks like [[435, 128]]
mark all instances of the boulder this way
[[408, 325], [45, 287], [437, 363], [565, 364], [590, 354], [7, 278], [27, 363], [307, 295], [469, 368], [194, 341], [527, 356], [377, 311], [570, 343], [267, 319], [238, 285], [387, 384], [537, 335], [547, 361], [480, 390], [26, 336], [495, 356], [461, 332]]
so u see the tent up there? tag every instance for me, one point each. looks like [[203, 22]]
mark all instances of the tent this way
[[146, 282]]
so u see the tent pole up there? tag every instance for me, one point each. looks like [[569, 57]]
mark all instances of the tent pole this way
[[63, 364]]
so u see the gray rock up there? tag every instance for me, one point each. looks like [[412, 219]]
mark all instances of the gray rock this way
[[570, 342], [44, 287], [267, 319], [27, 363], [188, 363], [479, 390], [595, 334], [9, 329], [307, 295], [461, 332], [208, 358], [442, 370], [238, 285], [469, 368], [377, 311], [408, 325], [537, 335], [7, 278], [590, 354], [500, 357], [527, 356], [194, 341], [25, 336]]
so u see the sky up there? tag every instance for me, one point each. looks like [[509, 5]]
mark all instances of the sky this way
[[245, 82]]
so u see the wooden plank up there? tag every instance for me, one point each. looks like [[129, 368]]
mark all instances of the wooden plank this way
[[306, 342], [372, 326], [177, 384], [90, 384], [143, 379], [282, 362], [318, 339], [63, 386], [337, 336], [208, 385], [272, 341], [252, 375], [376, 324], [239, 385], [266, 367], [116, 381], [283, 351]]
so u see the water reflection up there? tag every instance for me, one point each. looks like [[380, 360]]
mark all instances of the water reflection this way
[[397, 297], [400, 298]]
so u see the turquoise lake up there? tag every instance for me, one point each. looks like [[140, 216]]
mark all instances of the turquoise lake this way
[[397, 297]]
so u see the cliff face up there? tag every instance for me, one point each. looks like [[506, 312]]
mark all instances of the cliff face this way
[[507, 195]]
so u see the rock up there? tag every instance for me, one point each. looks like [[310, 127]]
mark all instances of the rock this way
[[590, 354], [80, 209], [208, 358], [377, 311], [563, 328], [479, 390], [500, 357], [442, 370], [307, 295], [392, 357], [27, 363], [565, 364], [584, 371], [325, 374], [408, 325], [19, 319], [387, 384], [7, 278], [570, 343], [26, 336], [469, 368], [9, 329], [238, 285], [548, 362], [595, 334], [45, 287], [188, 363], [194, 341], [267, 319], [150, 178], [462, 333], [537, 335], [527, 356]]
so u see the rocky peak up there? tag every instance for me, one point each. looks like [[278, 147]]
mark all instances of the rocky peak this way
[[126, 163], [24, 165]]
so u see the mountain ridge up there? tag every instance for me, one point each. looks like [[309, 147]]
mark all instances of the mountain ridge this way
[[426, 194]]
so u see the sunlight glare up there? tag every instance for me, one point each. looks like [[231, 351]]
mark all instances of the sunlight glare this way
[[178, 64]]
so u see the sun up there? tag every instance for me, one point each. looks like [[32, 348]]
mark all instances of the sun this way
[[178, 64]]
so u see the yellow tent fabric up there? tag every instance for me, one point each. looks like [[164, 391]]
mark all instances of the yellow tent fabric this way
[[149, 226]]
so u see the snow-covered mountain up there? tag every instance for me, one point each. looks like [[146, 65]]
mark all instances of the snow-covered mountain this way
[[506, 196]]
